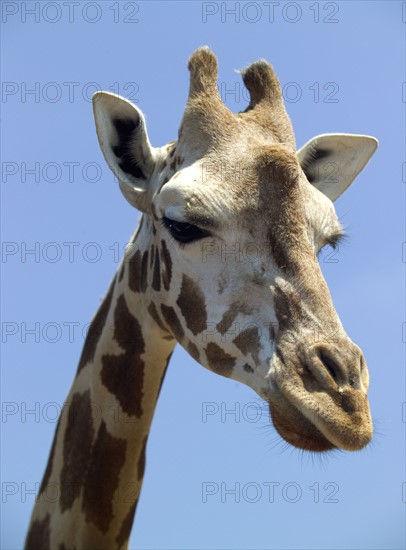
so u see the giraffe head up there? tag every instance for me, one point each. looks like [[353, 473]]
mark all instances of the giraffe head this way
[[234, 220]]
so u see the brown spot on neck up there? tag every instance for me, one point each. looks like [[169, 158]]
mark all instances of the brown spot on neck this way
[[219, 361], [95, 330], [125, 529], [102, 479], [248, 341], [38, 537], [144, 272], [152, 310], [77, 445], [127, 330], [167, 263], [230, 315], [134, 277], [123, 375], [156, 279], [173, 322], [192, 305]]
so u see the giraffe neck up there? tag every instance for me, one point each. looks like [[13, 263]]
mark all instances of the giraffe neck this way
[[93, 479]]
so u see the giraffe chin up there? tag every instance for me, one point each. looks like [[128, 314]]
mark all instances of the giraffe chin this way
[[294, 426]]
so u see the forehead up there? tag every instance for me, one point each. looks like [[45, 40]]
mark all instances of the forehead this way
[[216, 188], [230, 180], [238, 191]]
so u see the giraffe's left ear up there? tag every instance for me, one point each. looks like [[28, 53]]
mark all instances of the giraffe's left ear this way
[[332, 161], [124, 141]]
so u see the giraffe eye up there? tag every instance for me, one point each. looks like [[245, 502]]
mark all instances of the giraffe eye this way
[[334, 241], [184, 232]]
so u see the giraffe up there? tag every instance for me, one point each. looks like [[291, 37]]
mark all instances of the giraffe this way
[[224, 262]]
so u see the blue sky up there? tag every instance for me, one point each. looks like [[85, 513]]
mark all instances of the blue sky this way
[[341, 65]]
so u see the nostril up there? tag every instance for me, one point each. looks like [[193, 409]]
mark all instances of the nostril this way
[[337, 367], [330, 365], [324, 367]]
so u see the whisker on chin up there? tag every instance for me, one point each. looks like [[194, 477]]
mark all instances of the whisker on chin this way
[[277, 446], [377, 435]]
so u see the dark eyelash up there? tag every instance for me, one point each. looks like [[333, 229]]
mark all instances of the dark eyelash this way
[[183, 232], [334, 241]]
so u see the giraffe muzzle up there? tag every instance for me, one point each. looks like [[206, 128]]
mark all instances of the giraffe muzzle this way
[[336, 367], [319, 396]]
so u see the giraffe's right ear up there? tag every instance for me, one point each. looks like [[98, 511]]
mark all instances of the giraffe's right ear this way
[[124, 141]]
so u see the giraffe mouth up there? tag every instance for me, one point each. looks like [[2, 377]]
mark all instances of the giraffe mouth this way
[[314, 418], [294, 427]]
